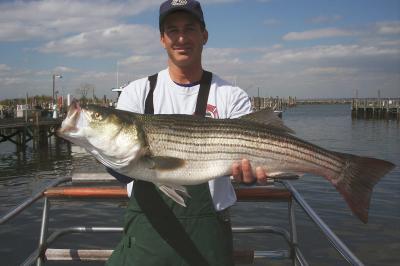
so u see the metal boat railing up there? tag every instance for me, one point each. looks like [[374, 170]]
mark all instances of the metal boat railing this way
[[281, 190]]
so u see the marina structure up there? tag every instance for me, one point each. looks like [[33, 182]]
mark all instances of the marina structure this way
[[277, 104], [22, 130], [376, 108]]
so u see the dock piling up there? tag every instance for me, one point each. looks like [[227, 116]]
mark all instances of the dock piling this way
[[376, 108], [20, 132]]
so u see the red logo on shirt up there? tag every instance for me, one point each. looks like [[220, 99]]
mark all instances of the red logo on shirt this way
[[212, 111]]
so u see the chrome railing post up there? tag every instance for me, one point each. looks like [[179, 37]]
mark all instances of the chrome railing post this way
[[332, 237], [296, 255], [293, 231], [43, 232]]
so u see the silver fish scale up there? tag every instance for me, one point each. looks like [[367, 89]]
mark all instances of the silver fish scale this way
[[201, 139]]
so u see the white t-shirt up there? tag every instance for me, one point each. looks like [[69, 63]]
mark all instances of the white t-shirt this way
[[224, 101]]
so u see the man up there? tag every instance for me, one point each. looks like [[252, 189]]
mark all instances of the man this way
[[183, 88]]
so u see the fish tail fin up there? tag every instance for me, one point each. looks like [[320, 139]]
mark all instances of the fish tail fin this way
[[357, 181], [172, 192]]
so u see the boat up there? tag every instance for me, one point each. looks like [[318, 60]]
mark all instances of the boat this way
[[101, 187]]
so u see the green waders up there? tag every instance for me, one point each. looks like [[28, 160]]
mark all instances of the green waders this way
[[211, 233], [142, 245]]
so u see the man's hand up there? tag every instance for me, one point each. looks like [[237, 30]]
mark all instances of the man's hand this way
[[242, 172]]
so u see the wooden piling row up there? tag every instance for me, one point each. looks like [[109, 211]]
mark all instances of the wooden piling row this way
[[278, 104], [376, 109], [21, 132]]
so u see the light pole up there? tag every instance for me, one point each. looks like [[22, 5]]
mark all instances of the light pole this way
[[54, 85], [117, 75]]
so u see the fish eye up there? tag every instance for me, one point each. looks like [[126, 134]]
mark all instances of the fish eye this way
[[97, 116]]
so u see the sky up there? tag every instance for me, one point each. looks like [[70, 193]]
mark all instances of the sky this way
[[299, 48]]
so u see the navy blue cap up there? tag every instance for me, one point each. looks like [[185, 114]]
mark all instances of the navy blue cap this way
[[191, 6]]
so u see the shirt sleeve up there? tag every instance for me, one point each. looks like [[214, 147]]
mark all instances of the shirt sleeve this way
[[133, 96], [240, 103]]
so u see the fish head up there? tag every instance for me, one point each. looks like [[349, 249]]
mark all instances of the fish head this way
[[114, 140], [69, 124]]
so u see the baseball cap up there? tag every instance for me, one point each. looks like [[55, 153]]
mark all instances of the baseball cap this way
[[191, 6]]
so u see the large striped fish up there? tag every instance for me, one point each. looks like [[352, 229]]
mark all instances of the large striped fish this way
[[176, 150]]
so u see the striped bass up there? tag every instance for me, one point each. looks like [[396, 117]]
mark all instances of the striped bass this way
[[172, 151]]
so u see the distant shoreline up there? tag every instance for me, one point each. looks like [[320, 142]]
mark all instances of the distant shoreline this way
[[339, 100], [323, 101]]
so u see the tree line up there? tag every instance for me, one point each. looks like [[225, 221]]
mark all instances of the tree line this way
[[86, 93]]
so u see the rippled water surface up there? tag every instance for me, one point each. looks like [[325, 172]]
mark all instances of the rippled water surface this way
[[330, 126]]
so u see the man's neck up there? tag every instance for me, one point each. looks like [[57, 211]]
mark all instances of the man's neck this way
[[185, 75]]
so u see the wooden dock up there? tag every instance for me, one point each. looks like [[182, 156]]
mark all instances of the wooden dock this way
[[277, 104], [376, 108], [21, 131]]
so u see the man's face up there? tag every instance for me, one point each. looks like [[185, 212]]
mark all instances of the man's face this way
[[183, 38]]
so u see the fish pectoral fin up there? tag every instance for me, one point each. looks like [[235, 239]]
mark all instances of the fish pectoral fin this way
[[267, 117], [164, 162], [172, 192]]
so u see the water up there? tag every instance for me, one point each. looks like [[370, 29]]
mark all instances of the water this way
[[330, 126]]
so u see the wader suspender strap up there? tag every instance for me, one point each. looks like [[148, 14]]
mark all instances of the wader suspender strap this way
[[154, 207], [202, 98], [149, 106]]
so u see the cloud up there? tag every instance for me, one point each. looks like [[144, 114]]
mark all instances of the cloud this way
[[24, 20], [389, 28], [64, 69], [4, 68], [49, 19], [323, 71], [10, 76], [319, 71], [57, 70], [325, 19], [138, 59], [271, 22], [390, 43], [316, 34], [138, 66], [204, 2], [7, 81], [327, 52], [315, 71], [110, 42]]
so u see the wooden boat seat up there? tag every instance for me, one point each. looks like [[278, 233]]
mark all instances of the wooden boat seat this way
[[243, 194]]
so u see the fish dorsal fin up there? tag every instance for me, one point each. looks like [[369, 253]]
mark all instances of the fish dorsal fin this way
[[269, 118], [164, 162]]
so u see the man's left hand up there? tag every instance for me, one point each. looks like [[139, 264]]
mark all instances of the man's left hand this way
[[242, 173]]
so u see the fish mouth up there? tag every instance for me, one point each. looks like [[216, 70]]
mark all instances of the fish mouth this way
[[70, 123]]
